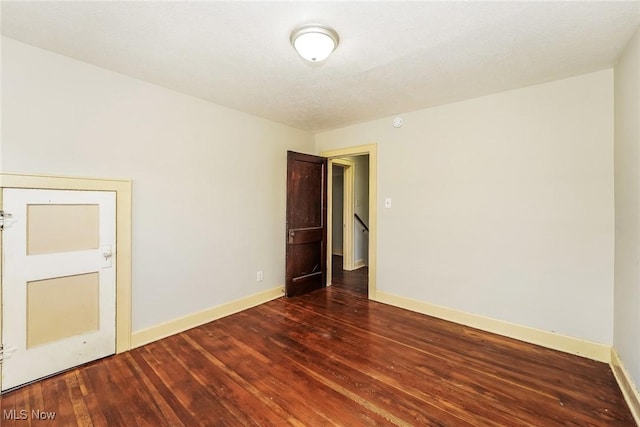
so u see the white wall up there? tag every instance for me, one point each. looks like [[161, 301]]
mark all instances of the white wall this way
[[627, 206], [208, 182], [502, 205]]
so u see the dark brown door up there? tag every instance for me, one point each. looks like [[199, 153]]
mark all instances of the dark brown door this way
[[306, 223]]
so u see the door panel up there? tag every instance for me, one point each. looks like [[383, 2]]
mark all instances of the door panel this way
[[306, 223], [58, 287], [71, 303], [62, 228]]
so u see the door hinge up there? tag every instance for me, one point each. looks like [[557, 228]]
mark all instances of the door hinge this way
[[6, 220], [5, 353]]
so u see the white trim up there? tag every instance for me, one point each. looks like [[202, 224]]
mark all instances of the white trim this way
[[329, 260], [372, 151], [588, 349], [337, 252], [348, 206], [123, 190], [348, 247], [359, 264], [629, 389], [189, 321]]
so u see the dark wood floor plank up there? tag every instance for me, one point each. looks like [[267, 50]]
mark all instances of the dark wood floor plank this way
[[238, 397], [330, 358], [248, 369], [383, 363], [162, 406], [136, 403], [348, 379], [455, 342], [400, 370], [355, 281], [9, 409], [35, 396], [23, 401], [257, 357], [170, 383], [80, 410], [190, 391], [94, 407], [55, 397], [103, 377], [502, 371]]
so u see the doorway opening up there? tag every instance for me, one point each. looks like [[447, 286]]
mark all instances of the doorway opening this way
[[351, 234], [350, 215]]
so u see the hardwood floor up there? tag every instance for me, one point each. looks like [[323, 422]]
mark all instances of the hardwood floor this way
[[329, 358], [356, 281]]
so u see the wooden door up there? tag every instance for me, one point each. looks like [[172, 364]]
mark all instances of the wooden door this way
[[306, 264], [58, 283]]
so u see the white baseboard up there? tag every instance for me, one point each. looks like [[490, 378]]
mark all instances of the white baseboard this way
[[181, 324], [359, 264], [629, 389], [588, 349], [337, 252]]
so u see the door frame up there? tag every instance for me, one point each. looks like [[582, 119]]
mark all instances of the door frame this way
[[122, 188], [372, 151], [348, 254]]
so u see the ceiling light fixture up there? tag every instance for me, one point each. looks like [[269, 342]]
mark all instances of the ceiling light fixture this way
[[314, 42]]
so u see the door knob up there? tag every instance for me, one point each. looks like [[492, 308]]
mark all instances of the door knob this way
[[107, 253]]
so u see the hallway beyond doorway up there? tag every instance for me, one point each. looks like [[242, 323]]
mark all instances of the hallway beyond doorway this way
[[355, 281]]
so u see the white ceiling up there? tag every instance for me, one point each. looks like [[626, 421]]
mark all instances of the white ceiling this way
[[393, 56]]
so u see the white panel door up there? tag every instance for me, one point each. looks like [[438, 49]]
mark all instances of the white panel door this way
[[58, 281]]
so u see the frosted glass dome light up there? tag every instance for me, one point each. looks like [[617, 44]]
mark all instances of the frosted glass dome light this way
[[314, 42]]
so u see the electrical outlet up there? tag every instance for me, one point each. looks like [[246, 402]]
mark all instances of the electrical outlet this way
[[259, 277]]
